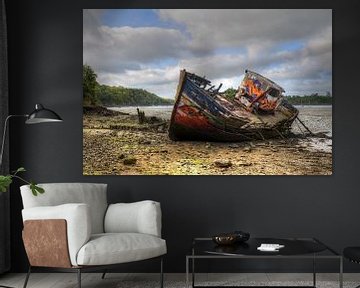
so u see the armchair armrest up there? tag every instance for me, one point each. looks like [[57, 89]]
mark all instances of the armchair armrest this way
[[77, 219], [138, 217]]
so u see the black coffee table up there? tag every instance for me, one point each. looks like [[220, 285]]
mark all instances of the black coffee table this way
[[295, 248]]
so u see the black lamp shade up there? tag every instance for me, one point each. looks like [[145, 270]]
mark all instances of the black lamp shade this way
[[42, 115]]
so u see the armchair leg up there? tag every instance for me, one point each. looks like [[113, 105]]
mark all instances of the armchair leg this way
[[27, 277], [79, 277], [161, 273], [103, 275]]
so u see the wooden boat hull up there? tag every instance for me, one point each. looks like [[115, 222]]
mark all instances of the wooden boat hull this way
[[200, 115]]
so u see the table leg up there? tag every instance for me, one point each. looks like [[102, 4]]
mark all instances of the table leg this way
[[187, 272], [193, 272], [193, 267], [314, 271], [341, 273]]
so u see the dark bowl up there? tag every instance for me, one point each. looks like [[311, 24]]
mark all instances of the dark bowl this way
[[231, 238], [225, 239]]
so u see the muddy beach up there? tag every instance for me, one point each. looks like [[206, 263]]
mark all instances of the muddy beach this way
[[116, 144]]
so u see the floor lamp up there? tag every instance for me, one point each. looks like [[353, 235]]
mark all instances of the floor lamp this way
[[39, 115]]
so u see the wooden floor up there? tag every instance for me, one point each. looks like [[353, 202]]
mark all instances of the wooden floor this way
[[114, 280]]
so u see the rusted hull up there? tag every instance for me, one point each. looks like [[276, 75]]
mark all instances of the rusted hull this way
[[198, 115]]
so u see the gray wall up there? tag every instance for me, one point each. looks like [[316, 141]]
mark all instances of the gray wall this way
[[45, 50]]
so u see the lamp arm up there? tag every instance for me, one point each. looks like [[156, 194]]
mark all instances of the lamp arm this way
[[4, 134]]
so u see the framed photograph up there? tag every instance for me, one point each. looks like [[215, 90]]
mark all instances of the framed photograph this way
[[207, 92]]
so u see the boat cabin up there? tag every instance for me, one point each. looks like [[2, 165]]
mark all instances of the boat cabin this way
[[258, 93]]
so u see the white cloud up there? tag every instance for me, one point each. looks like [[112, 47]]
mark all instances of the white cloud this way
[[225, 27], [127, 47], [220, 44]]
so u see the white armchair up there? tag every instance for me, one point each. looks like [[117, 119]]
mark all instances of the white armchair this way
[[72, 228]]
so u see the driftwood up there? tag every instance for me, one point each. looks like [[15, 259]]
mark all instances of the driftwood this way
[[141, 115], [148, 119]]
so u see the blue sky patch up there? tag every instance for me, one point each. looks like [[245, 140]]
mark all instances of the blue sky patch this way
[[136, 18], [290, 45]]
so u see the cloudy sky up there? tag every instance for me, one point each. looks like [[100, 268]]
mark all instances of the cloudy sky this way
[[147, 48]]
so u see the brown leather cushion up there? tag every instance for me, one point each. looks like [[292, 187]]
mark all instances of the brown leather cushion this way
[[45, 243]]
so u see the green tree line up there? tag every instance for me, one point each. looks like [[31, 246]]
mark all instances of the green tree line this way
[[122, 96], [314, 99], [96, 94]]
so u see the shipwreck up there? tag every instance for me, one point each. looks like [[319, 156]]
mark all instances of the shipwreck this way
[[202, 112]]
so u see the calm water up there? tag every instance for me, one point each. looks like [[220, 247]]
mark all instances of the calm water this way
[[317, 118], [158, 111]]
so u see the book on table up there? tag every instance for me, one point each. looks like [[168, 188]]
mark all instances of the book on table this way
[[270, 247]]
